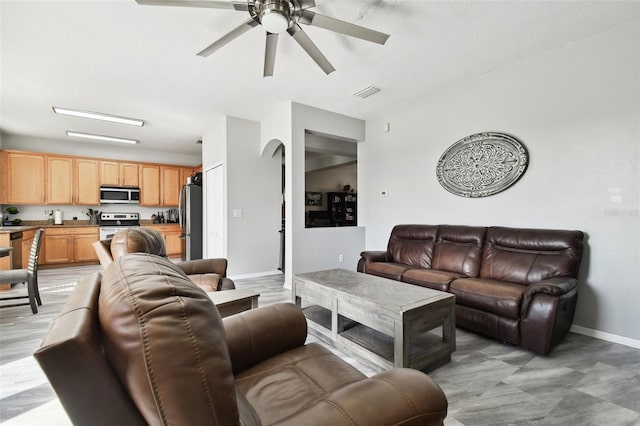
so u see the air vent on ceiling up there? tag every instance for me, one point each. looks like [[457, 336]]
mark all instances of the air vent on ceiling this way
[[366, 92]]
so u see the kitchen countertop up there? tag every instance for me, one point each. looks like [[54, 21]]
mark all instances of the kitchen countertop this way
[[27, 225]]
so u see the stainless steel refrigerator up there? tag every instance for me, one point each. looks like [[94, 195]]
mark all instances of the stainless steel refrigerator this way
[[191, 221]]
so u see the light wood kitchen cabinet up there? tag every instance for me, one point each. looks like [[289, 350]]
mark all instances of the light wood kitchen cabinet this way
[[23, 177], [69, 245], [118, 173], [27, 240], [170, 186], [129, 174], [87, 182], [171, 235], [159, 185], [37, 179], [185, 172], [59, 180], [149, 184]]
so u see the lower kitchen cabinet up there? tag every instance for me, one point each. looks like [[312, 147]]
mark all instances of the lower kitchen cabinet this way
[[69, 245], [27, 240]]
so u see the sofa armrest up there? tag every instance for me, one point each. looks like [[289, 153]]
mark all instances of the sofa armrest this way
[[367, 257], [258, 334], [556, 286], [204, 266], [376, 256], [400, 396]]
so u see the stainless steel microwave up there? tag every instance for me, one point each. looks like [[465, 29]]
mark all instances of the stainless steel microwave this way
[[118, 195]]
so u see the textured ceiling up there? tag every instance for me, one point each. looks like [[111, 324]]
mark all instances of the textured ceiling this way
[[140, 61]]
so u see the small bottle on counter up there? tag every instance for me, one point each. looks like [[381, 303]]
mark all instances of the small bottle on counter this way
[[50, 219]]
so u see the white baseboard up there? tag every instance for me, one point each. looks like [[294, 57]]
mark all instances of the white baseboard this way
[[606, 336], [255, 275]]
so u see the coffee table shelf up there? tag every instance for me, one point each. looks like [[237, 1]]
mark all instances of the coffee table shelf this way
[[382, 322]]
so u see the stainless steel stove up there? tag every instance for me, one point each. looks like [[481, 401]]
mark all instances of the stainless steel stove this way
[[110, 223]]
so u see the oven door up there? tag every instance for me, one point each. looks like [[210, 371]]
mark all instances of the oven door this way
[[107, 232]]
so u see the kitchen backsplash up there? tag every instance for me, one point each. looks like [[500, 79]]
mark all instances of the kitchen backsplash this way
[[69, 212]]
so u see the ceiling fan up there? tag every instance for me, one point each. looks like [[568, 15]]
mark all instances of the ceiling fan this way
[[277, 16]]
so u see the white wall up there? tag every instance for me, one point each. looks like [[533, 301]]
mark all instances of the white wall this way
[[252, 185], [254, 190], [576, 109], [316, 248]]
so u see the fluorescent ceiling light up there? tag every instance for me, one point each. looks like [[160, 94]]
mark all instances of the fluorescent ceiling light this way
[[100, 137], [99, 116]]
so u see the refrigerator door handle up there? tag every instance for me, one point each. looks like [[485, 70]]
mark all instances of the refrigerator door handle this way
[[181, 207]]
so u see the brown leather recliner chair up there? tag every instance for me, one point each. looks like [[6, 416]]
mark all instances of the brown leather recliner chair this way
[[210, 274], [144, 345]]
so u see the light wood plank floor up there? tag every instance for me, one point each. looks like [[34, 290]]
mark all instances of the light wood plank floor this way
[[585, 381]]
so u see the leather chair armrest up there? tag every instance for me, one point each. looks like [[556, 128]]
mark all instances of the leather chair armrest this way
[[226, 284], [367, 257], [556, 286], [376, 256], [103, 250], [258, 334], [398, 396], [204, 266]]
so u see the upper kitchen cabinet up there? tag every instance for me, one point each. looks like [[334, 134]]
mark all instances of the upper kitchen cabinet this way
[[149, 184], [159, 185], [72, 180], [170, 186], [87, 181], [59, 180], [23, 176], [185, 172], [117, 173]]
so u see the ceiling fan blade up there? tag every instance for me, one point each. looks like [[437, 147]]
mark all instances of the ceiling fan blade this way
[[232, 35], [312, 50], [213, 4], [308, 4], [316, 20], [270, 54]]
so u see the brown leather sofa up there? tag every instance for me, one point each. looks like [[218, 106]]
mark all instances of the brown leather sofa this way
[[210, 274], [516, 285], [144, 345]]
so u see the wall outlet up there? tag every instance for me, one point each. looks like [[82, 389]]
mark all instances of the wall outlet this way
[[340, 258], [384, 193]]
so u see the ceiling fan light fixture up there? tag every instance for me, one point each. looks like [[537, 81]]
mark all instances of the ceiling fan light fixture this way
[[274, 16]]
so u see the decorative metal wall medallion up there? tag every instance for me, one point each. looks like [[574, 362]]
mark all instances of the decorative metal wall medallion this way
[[482, 164]]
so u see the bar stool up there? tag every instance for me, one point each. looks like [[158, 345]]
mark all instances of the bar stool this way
[[28, 276]]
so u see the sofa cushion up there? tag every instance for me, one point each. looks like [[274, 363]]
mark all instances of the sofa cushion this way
[[437, 280], [165, 341], [289, 382], [412, 244], [500, 298], [528, 256], [389, 270], [459, 249]]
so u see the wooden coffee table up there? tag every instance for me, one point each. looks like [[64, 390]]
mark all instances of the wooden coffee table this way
[[231, 302], [382, 322]]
